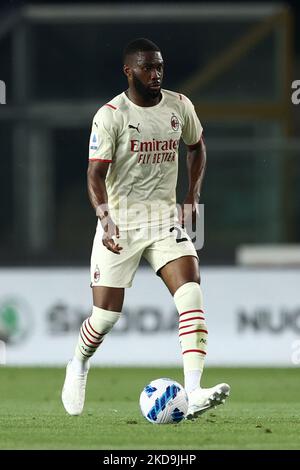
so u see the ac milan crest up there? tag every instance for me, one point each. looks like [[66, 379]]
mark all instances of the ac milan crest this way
[[97, 274], [174, 122]]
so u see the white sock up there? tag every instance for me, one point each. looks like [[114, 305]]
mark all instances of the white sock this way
[[192, 332], [192, 380], [93, 331]]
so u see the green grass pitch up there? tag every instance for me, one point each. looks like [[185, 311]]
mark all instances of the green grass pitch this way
[[262, 412]]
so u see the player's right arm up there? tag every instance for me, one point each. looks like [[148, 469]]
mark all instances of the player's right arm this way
[[102, 148], [96, 175]]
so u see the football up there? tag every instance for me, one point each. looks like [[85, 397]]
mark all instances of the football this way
[[164, 401]]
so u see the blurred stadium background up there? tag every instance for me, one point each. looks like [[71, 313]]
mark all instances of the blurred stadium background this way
[[236, 62]]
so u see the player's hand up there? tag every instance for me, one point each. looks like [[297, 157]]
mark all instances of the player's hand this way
[[110, 235], [189, 211]]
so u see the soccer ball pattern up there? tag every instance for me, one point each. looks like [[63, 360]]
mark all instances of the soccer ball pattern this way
[[164, 401]]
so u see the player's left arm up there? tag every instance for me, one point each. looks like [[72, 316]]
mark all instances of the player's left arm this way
[[196, 164], [192, 134]]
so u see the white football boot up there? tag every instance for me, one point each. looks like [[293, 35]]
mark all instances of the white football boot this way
[[203, 399], [73, 392]]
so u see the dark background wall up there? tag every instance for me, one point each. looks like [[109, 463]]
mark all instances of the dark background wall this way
[[251, 191]]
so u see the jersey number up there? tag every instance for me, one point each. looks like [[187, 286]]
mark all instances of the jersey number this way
[[179, 234]]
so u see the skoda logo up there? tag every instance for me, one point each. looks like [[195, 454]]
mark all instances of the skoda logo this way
[[15, 320]]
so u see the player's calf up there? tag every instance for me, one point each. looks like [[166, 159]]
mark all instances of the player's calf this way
[[91, 335], [93, 331], [192, 332]]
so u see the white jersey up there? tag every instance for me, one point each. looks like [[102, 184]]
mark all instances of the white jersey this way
[[141, 144]]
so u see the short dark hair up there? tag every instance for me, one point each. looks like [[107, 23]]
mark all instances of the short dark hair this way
[[139, 45]]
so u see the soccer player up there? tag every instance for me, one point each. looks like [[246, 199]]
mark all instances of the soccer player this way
[[132, 177]]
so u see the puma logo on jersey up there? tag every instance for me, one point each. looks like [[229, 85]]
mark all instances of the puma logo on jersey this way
[[136, 128]]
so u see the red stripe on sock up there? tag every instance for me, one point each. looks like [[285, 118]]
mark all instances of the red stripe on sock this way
[[193, 318], [87, 333], [185, 326], [92, 342], [194, 331], [87, 345], [191, 311], [87, 329], [194, 350], [85, 354], [97, 333]]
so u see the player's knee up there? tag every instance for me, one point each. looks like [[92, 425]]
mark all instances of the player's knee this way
[[103, 320], [195, 275]]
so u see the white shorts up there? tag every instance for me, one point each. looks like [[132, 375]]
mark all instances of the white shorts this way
[[118, 270]]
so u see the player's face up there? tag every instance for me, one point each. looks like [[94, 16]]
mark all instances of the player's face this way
[[147, 73]]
